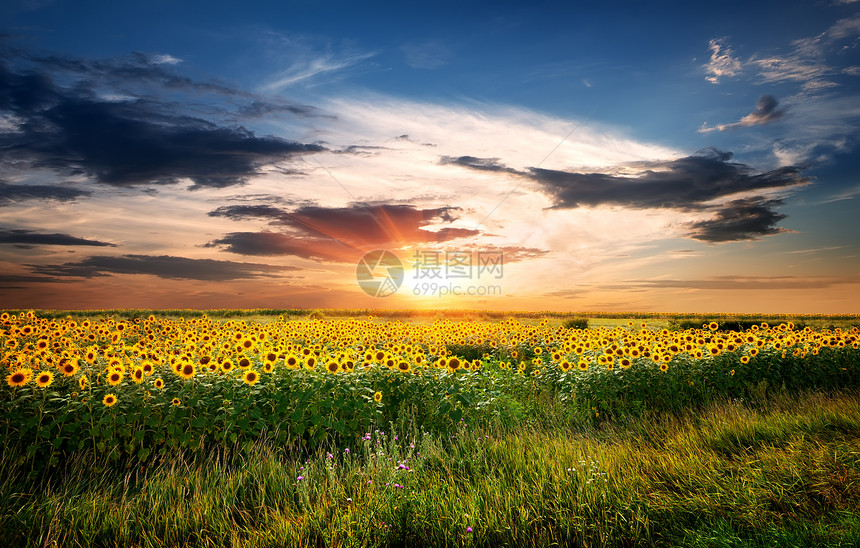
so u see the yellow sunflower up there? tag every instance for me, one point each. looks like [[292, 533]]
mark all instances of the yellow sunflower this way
[[44, 379], [109, 400], [187, 371], [19, 377], [69, 367], [251, 376], [114, 377]]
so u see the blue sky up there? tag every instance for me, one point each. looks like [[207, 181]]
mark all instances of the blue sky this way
[[620, 156]]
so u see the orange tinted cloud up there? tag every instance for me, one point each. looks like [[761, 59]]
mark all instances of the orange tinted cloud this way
[[340, 234]]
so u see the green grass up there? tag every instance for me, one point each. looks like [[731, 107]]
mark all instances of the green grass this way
[[780, 471]]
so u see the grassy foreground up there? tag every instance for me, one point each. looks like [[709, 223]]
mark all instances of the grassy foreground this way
[[780, 471]]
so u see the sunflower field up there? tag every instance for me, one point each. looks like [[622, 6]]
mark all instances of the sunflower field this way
[[131, 390]]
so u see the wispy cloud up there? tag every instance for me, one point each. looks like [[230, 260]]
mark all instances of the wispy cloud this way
[[806, 63], [847, 194], [312, 69], [823, 108], [166, 59], [794, 68], [722, 63], [755, 283]]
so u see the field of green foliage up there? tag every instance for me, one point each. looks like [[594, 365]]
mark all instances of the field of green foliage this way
[[172, 428]]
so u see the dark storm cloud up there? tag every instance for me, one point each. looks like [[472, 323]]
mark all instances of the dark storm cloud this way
[[64, 122], [240, 212], [266, 244], [693, 183], [164, 266], [369, 221], [17, 193], [30, 238], [745, 219], [684, 184], [338, 234]]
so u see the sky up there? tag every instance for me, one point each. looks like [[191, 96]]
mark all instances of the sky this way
[[567, 156]]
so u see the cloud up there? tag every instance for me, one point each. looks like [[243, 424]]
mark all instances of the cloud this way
[[806, 62], [764, 113], [722, 64], [684, 184], [744, 219], [25, 279], [18, 193], [164, 266], [484, 164], [794, 68], [128, 138], [691, 184], [755, 283], [339, 234], [165, 59], [267, 243], [129, 73], [846, 194], [30, 238], [509, 254], [259, 109], [306, 70]]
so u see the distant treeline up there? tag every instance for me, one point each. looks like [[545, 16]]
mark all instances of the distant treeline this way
[[676, 319]]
